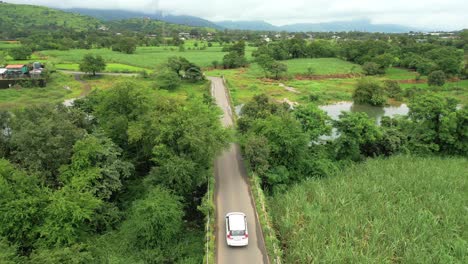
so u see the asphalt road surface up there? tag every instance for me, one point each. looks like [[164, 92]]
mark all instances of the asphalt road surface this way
[[232, 194]]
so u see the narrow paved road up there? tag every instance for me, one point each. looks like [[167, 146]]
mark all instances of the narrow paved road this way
[[232, 194]]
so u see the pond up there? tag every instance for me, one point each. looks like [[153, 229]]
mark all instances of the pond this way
[[334, 110]]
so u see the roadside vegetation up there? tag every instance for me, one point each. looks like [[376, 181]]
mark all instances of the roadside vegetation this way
[[123, 186]]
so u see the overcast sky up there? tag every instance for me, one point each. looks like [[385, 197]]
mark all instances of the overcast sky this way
[[431, 14]]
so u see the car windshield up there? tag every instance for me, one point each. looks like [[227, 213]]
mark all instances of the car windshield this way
[[238, 232]]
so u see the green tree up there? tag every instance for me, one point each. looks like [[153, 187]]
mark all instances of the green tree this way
[[178, 65], [371, 68], [369, 91], [236, 56], [125, 44], [22, 201], [76, 253], [92, 64], [314, 121], [186, 143], [42, 138], [154, 223], [167, 79], [278, 69], [20, 53], [433, 122], [393, 89], [122, 112], [193, 73], [358, 136], [264, 61], [67, 217], [96, 167], [436, 78]]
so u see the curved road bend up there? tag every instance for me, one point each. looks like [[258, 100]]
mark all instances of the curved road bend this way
[[232, 193]]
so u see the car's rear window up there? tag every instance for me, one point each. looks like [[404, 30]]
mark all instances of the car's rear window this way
[[237, 232]]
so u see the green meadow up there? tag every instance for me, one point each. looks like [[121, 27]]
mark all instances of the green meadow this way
[[144, 57], [398, 210]]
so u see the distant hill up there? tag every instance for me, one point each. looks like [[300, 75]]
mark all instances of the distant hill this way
[[248, 25], [355, 25], [111, 15], [150, 26], [21, 19]]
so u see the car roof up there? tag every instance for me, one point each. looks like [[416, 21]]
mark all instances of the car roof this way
[[236, 221]]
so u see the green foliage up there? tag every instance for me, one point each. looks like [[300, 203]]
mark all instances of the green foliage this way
[[358, 136], [314, 121], [20, 53], [236, 56], [186, 141], [96, 167], [76, 253], [436, 78], [42, 138], [369, 91], [278, 69], [371, 68], [393, 89], [8, 253], [92, 64], [67, 217], [125, 45], [404, 209], [153, 225], [22, 201], [167, 79], [437, 125]]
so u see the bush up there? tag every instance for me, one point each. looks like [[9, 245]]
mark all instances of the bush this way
[[372, 68], [393, 89], [436, 78], [369, 91], [167, 79]]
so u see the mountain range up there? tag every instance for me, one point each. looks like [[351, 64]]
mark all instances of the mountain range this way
[[354, 25]]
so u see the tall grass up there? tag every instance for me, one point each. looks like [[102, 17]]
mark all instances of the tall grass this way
[[401, 210]]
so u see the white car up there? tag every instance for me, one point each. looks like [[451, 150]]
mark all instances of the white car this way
[[237, 234]]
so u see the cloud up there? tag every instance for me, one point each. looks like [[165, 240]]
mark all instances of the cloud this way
[[447, 14]]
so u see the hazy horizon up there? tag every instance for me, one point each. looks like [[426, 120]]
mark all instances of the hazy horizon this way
[[428, 14]]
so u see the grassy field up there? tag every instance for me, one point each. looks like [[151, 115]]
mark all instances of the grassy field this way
[[247, 82], [322, 66], [144, 57], [399, 210], [5, 45], [111, 67]]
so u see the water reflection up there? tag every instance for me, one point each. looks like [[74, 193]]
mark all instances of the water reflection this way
[[334, 110]]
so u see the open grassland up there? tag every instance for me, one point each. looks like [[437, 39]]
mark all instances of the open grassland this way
[[247, 82], [60, 88], [144, 57], [63, 86], [6, 45], [325, 85], [322, 66], [110, 67], [399, 210]]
